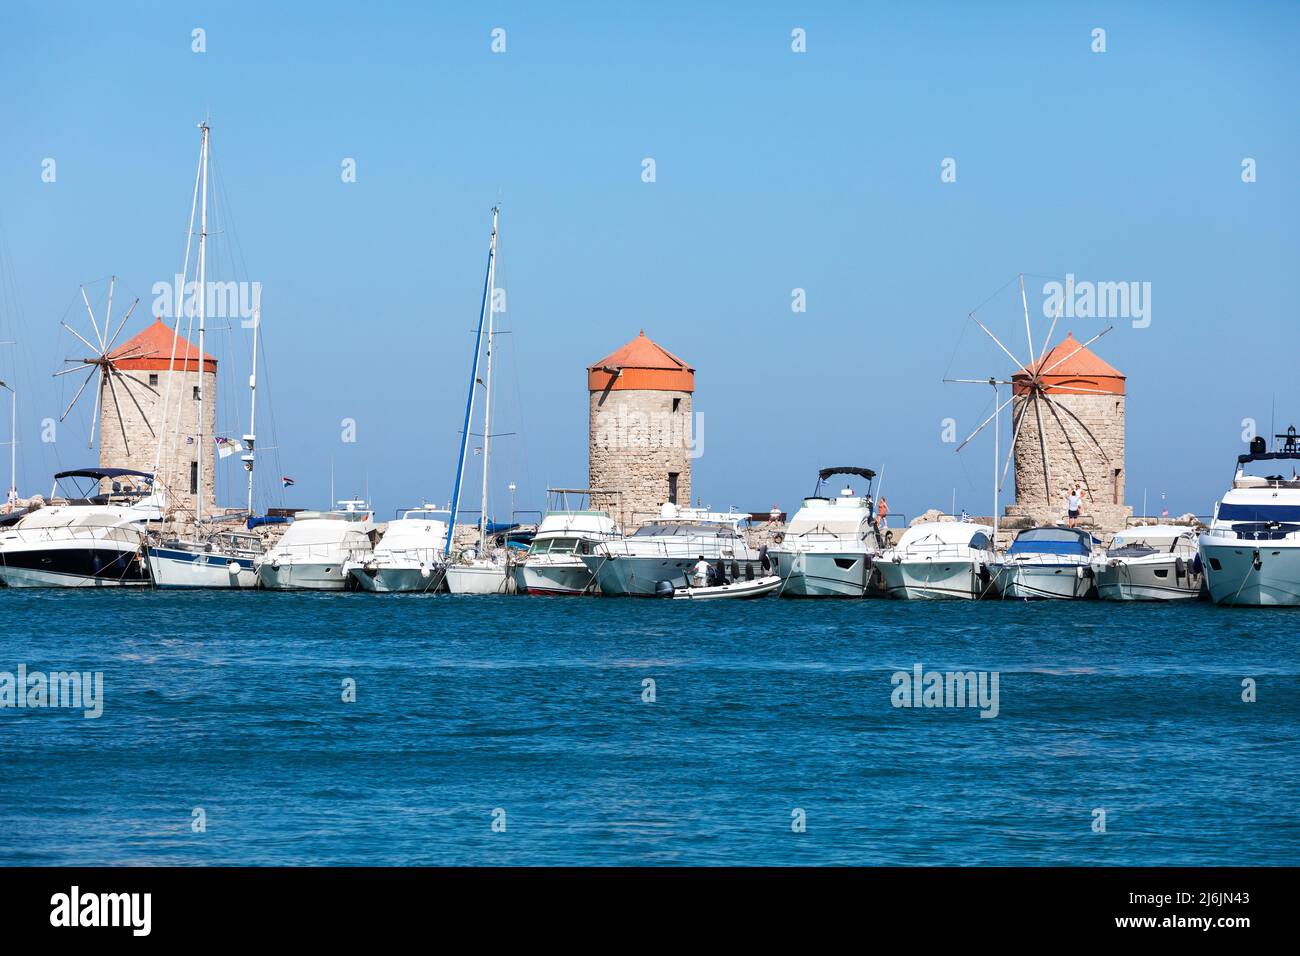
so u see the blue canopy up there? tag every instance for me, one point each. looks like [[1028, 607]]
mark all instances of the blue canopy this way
[[256, 521], [1052, 540]]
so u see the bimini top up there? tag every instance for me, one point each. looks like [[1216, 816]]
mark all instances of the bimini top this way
[[1268, 456], [866, 473], [1054, 539], [101, 473]]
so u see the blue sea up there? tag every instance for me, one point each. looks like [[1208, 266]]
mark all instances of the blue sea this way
[[521, 731]]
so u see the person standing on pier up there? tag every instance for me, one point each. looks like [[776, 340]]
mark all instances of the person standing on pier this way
[[1073, 502]]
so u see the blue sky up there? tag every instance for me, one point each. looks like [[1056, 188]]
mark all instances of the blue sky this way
[[774, 171]]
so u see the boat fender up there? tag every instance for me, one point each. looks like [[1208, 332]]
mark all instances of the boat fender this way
[[424, 571], [1255, 560], [233, 567], [1180, 568], [664, 589]]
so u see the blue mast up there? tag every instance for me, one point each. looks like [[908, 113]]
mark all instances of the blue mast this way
[[473, 380]]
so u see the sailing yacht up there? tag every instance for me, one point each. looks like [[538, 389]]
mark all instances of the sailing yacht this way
[[937, 560], [554, 564], [1150, 563], [409, 555], [666, 548], [206, 557], [485, 569], [83, 538], [1251, 550], [1052, 561], [312, 554], [828, 549]]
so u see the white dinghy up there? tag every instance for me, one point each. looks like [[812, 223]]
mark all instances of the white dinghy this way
[[735, 590]]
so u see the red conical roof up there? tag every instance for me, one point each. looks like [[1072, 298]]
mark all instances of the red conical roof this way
[[151, 350], [641, 364], [1070, 368]]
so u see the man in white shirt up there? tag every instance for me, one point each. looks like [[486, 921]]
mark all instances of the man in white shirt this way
[[701, 570], [1073, 502]]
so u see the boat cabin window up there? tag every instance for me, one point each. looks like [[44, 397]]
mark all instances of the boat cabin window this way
[[980, 542], [1265, 513], [555, 546]]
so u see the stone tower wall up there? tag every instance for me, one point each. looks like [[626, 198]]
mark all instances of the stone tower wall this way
[[178, 455], [636, 439], [1072, 456]]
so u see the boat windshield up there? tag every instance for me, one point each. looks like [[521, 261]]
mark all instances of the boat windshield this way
[[1259, 512], [1051, 541], [658, 530], [554, 545]]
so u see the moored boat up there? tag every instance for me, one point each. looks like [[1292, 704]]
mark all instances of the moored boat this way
[[939, 560], [85, 538], [1052, 561], [1251, 551], [829, 546], [554, 563], [1150, 563], [666, 548], [312, 554], [410, 554]]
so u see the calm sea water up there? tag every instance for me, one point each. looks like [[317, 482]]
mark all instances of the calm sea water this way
[[233, 703]]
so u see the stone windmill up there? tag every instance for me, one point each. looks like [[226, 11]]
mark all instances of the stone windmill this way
[[1068, 427]]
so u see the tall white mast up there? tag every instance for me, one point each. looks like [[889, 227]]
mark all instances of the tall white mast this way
[[487, 385], [250, 440], [203, 304]]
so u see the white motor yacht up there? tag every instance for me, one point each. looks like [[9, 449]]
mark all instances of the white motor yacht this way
[[410, 555], [312, 553], [1150, 563], [829, 546], [1052, 561], [667, 548], [83, 538], [554, 563], [937, 560], [1251, 551]]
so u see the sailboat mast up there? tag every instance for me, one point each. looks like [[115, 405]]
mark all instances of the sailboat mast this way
[[473, 381], [203, 297], [250, 440], [487, 388]]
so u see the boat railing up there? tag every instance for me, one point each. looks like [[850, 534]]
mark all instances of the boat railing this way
[[325, 552], [1255, 531], [81, 532], [688, 546]]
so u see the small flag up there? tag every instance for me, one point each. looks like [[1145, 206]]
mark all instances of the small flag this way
[[287, 482], [189, 439], [227, 447]]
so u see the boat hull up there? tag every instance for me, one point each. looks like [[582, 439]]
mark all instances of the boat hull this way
[[181, 568], [73, 565], [736, 590], [1134, 581], [394, 580], [932, 580], [1234, 580], [1044, 581], [303, 576], [624, 576], [538, 577], [478, 579], [814, 574]]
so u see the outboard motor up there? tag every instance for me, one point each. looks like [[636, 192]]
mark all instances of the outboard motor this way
[[664, 589]]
